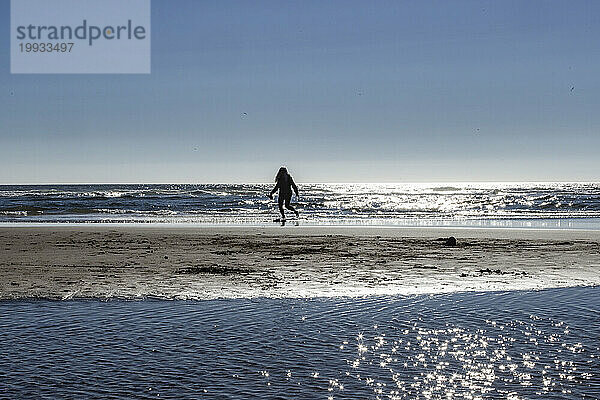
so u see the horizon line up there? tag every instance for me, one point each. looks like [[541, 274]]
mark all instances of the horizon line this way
[[309, 183]]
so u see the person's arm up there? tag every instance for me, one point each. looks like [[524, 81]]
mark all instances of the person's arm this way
[[294, 187], [274, 190]]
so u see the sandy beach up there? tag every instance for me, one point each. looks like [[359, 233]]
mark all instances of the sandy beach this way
[[204, 263]]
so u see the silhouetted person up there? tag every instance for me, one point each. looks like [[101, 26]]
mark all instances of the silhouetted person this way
[[285, 184]]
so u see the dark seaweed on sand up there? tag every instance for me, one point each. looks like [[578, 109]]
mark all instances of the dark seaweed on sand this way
[[213, 269]]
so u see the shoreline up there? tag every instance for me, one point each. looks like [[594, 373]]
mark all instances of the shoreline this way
[[312, 230], [572, 224], [340, 297], [124, 262]]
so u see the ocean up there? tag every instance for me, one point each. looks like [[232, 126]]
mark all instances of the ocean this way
[[516, 205]]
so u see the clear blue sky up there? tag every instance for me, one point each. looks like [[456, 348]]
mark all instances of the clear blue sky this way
[[355, 91]]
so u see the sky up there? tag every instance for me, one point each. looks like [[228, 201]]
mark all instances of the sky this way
[[339, 91]]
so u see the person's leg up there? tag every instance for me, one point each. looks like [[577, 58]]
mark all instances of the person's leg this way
[[289, 206], [280, 203]]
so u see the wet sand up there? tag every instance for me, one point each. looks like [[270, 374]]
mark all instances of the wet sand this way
[[203, 263]]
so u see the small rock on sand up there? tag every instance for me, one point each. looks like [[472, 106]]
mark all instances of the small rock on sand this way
[[450, 241]]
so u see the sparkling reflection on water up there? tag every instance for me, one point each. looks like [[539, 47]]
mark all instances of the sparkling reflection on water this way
[[485, 204], [502, 345]]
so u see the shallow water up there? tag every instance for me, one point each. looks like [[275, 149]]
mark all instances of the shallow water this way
[[495, 345]]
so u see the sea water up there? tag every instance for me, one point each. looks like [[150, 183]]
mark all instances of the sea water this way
[[522, 205], [495, 345]]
